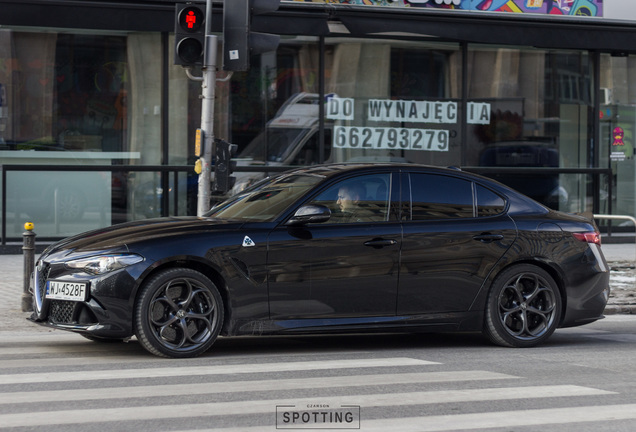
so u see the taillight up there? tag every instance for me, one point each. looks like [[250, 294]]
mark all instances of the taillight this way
[[588, 237]]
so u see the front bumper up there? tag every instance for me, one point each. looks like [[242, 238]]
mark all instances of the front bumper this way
[[107, 311]]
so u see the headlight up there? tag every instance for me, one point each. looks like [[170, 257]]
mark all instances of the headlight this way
[[101, 264]]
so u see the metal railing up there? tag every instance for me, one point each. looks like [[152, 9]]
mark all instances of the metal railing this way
[[164, 169]]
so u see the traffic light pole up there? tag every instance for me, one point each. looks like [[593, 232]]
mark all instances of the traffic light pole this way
[[239, 42], [207, 114]]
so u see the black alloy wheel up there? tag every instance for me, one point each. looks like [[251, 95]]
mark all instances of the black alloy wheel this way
[[179, 313], [524, 307]]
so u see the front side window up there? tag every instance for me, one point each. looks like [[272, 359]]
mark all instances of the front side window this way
[[358, 200]]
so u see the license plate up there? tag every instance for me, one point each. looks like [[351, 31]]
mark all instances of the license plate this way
[[72, 291]]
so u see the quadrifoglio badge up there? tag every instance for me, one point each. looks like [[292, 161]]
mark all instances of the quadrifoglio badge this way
[[318, 416]]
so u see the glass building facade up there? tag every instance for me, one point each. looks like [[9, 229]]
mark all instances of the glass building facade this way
[[97, 124]]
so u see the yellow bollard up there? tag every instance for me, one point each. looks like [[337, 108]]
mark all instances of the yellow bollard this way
[[28, 250]]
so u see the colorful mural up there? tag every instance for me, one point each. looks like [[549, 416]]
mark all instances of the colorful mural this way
[[579, 8]]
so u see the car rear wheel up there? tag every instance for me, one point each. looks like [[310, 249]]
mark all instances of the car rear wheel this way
[[179, 313], [524, 307]]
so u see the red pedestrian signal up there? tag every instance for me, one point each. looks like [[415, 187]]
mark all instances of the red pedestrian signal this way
[[191, 19], [189, 35]]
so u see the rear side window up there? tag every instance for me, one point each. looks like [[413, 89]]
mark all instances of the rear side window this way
[[488, 202], [440, 197]]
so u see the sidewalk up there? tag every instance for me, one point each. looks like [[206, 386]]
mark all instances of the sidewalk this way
[[620, 252], [621, 258]]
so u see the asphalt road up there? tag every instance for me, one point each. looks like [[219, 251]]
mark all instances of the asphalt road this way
[[583, 379]]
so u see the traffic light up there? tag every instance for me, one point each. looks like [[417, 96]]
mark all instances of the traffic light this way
[[239, 42], [224, 166], [189, 34]]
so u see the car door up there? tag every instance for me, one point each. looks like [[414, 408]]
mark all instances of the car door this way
[[342, 268], [450, 244]]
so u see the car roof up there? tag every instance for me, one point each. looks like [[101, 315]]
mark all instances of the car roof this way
[[329, 170]]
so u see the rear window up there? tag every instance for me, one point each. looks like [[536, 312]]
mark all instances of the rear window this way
[[488, 202]]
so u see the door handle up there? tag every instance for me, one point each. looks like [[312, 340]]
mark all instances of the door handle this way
[[380, 243], [488, 238]]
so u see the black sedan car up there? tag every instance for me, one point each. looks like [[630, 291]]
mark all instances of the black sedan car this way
[[333, 248]]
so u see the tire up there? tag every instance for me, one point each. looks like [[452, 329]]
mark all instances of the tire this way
[[179, 314], [524, 307]]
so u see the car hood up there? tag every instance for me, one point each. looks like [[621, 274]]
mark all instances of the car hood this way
[[121, 235]]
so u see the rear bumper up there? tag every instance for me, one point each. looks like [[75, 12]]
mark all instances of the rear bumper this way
[[586, 302]]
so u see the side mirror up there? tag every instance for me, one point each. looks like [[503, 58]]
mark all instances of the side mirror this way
[[310, 213]]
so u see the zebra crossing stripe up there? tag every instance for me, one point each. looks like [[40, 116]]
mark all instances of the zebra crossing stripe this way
[[162, 412], [105, 393], [211, 369], [497, 420], [61, 349], [117, 357], [485, 421]]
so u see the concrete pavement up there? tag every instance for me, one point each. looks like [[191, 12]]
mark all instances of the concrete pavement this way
[[620, 252], [621, 257]]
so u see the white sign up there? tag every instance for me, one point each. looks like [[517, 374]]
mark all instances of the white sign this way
[[386, 138], [412, 111], [425, 111], [340, 108], [478, 113], [401, 111]]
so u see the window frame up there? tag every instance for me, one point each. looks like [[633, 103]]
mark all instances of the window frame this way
[[406, 202]]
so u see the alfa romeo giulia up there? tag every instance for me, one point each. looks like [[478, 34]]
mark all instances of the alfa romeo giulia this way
[[332, 248]]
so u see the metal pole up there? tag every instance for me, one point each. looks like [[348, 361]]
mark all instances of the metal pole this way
[[28, 250], [207, 114]]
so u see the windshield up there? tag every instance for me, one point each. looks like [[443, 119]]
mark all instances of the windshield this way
[[277, 142], [266, 200]]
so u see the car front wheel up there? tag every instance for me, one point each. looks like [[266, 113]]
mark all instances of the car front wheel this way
[[179, 313], [524, 307]]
